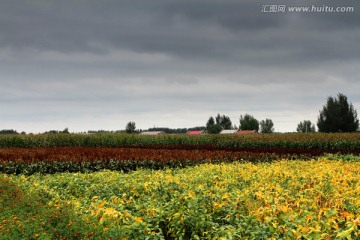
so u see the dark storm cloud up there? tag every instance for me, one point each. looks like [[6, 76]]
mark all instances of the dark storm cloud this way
[[219, 30]]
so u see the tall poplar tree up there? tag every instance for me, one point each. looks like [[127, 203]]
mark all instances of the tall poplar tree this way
[[338, 115]]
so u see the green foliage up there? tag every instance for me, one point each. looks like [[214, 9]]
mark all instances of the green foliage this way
[[214, 126], [65, 131], [266, 126], [130, 127], [342, 157], [47, 167], [315, 199], [305, 126], [223, 121], [248, 122], [214, 129], [323, 141], [255, 148], [210, 122], [338, 116], [27, 215], [8, 131], [176, 130]]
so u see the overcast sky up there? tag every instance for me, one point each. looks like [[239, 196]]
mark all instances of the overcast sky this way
[[90, 64]]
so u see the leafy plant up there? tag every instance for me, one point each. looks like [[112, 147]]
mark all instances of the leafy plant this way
[[316, 199]]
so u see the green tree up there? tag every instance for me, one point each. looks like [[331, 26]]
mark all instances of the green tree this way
[[130, 127], [305, 126], [338, 115], [266, 126], [210, 122], [212, 127], [248, 122], [223, 121]]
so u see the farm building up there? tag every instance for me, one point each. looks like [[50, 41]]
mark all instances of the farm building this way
[[228, 131], [242, 132], [195, 132], [152, 133]]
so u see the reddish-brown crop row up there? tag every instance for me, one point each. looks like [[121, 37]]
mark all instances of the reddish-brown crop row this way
[[79, 154], [94, 154]]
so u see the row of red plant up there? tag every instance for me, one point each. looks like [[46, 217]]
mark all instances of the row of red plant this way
[[156, 153]]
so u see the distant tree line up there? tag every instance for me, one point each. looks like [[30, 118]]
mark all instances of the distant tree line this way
[[337, 115], [176, 130], [8, 131], [131, 128], [66, 130]]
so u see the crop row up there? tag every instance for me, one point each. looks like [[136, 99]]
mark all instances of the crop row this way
[[279, 200], [349, 142], [89, 159], [79, 154]]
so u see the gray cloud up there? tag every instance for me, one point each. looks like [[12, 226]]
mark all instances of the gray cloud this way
[[179, 61]]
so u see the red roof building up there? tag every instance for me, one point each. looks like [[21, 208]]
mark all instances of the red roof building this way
[[242, 132], [194, 132]]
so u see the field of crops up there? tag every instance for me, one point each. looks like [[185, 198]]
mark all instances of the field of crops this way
[[28, 154], [118, 186], [280, 200], [339, 141]]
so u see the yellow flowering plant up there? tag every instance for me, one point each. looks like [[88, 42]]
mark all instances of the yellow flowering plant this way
[[285, 199]]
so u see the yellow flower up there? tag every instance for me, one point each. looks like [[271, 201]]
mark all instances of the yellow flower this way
[[138, 219], [356, 222]]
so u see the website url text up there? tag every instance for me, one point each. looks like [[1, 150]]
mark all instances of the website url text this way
[[305, 9]]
